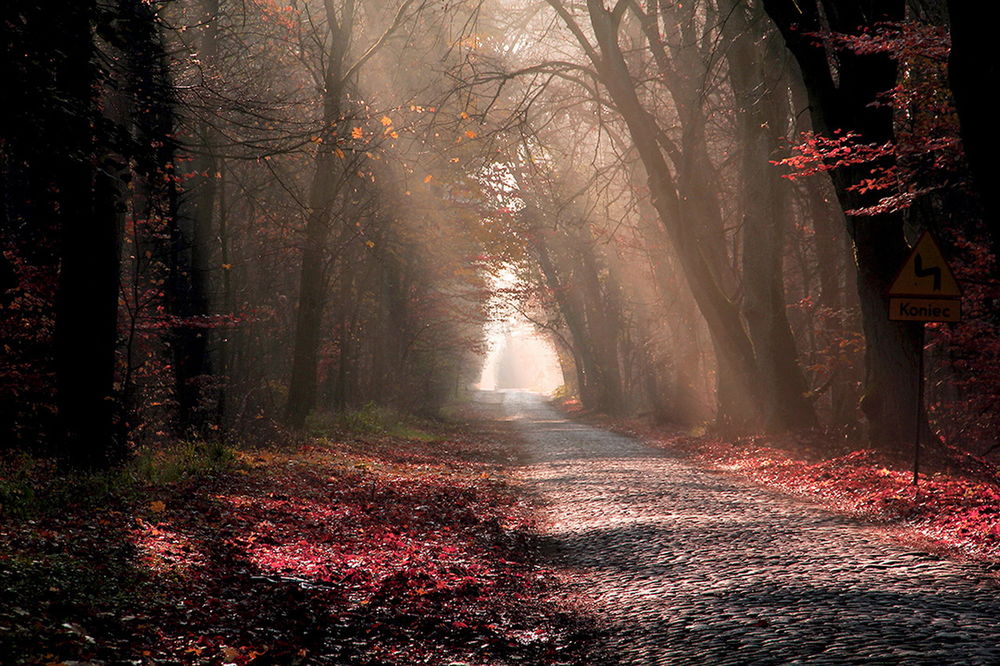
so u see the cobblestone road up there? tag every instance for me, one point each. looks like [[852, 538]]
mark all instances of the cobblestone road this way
[[686, 567]]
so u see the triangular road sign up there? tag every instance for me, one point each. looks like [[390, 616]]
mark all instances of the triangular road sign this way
[[925, 273]]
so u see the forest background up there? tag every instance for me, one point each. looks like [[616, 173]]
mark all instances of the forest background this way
[[227, 222]]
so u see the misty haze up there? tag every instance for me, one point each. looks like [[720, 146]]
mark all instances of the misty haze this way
[[499, 332]]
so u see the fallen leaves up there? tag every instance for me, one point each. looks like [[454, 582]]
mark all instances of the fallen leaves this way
[[961, 515], [379, 551]]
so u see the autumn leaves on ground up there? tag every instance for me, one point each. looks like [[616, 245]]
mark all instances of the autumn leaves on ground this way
[[374, 540], [953, 510], [388, 544]]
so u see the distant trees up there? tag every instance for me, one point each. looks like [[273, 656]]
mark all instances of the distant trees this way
[[758, 380], [323, 190], [154, 165], [191, 220], [705, 98]]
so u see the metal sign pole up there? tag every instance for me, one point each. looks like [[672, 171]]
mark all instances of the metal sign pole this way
[[920, 407], [924, 290]]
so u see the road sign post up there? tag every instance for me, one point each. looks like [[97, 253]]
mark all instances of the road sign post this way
[[924, 290], [920, 408]]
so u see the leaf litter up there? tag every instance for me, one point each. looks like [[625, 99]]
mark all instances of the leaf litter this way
[[378, 550]]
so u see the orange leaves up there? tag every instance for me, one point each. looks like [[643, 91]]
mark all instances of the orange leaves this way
[[389, 130], [357, 133]]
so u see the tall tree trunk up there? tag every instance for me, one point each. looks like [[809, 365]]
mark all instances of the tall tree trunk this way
[[835, 268], [322, 194], [740, 404], [761, 96], [845, 102], [192, 238], [88, 219], [975, 75]]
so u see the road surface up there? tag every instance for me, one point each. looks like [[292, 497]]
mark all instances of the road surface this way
[[684, 566]]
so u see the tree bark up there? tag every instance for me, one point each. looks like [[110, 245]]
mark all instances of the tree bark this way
[[762, 116], [322, 194], [88, 219], [845, 102], [975, 76]]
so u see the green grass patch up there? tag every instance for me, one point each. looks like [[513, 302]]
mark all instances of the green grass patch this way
[[366, 421], [183, 460], [31, 487], [405, 431]]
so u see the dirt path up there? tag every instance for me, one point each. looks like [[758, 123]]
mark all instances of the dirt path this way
[[685, 567]]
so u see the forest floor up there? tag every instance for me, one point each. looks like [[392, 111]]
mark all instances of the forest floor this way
[[953, 511], [377, 542], [407, 547]]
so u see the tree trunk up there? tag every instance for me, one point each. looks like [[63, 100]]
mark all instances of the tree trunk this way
[[312, 282], [835, 269], [845, 102], [833, 260], [603, 326], [681, 404], [740, 404], [572, 312], [88, 219], [975, 76], [192, 238], [762, 117]]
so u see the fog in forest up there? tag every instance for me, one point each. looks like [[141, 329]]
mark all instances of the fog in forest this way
[[381, 331], [668, 210], [521, 359]]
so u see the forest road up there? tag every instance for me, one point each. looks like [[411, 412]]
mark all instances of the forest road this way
[[683, 566]]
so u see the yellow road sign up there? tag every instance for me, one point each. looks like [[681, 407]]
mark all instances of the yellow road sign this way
[[926, 273], [906, 308]]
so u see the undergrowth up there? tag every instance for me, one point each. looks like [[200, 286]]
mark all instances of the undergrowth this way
[[368, 549], [370, 419], [33, 487]]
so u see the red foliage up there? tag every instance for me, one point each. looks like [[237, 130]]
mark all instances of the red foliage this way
[[903, 41], [963, 359], [27, 324], [926, 155], [378, 552], [956, 513]]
